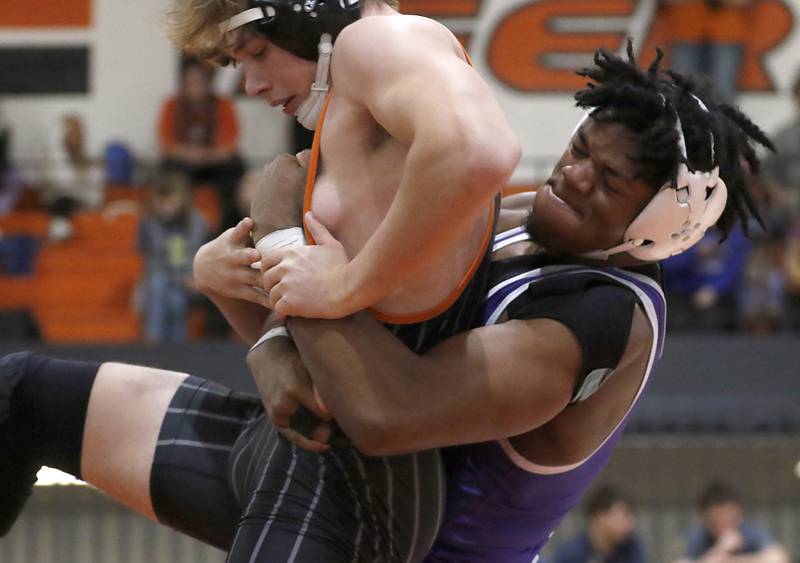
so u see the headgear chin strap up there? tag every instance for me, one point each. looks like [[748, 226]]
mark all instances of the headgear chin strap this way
[[678, 216], [309, 111]]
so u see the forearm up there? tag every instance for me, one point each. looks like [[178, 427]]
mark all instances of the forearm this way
[[246, 318], [344, 377], [278, 200], [390, 401]]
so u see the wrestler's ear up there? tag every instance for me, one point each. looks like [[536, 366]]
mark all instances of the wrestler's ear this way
[[318, 231]]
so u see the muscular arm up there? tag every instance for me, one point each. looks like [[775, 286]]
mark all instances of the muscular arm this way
[[488, 383], [461, 149]]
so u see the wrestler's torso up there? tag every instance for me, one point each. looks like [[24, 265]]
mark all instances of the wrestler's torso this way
[[506, 497], [360, 171]]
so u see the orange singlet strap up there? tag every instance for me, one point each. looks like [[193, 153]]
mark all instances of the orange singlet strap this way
[[311, 178], [456, 293], [313, 164]]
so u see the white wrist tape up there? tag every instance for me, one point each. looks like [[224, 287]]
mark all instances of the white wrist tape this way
[[292, 236], [270, 334]]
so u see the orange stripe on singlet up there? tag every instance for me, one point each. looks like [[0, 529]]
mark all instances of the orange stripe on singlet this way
[[462, 285]]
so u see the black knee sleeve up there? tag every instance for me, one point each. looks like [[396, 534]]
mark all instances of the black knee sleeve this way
[[52, 397]]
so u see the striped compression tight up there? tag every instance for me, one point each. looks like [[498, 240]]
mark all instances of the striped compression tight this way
[[224, 475]]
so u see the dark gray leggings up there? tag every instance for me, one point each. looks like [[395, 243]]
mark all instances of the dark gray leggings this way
[[225, 476]]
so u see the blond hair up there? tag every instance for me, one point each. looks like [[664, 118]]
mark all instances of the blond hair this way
[[193, 25]]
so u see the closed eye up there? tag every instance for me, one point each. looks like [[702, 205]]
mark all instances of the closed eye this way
[[578, 152]]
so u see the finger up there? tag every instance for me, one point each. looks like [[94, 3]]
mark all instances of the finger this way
[[279, 419], [322, 433], [322, 408], [318, 230], [303, 442], [272, 258], [279, 307], [254, 295], [271, 278], [303, 158], [241, 232], [284, 308], [246, 256], [247, 276], [304, 421], [306, 396]]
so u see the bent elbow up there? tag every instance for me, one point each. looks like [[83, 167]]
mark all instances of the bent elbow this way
[[489, 164]]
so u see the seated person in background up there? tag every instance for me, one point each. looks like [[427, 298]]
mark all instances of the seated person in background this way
[[781, 174], [170, 232], [724, 535], [762, 294], [702, 284], [198, 132], [609, 536], [72, 181], [11, 182]]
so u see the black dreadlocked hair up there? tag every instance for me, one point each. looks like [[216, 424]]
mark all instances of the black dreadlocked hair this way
[[649, 102]]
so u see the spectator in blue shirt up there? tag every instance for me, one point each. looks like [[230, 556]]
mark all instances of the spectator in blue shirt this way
[[724, 536], [702, 284], [609, 536]]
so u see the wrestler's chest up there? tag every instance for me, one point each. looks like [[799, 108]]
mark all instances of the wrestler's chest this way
[[357, 181]]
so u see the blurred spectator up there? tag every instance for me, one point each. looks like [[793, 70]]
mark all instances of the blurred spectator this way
[[781, 170], [72, 180], [707, 37], [609, 536], [781, 173], [702, 284], [247, 189], [763, 289], [198, 132], [11, 183], [791, 260], [170, 233], [724, 535]]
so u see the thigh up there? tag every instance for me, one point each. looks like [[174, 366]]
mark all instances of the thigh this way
[[189, 482], [159, 442], [340, 506], [123, 419]]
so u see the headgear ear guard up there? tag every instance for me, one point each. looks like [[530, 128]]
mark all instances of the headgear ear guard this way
[[305, 28], [679, 215]]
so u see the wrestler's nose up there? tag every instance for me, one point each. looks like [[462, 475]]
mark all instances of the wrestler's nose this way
[[256, 84], [579, 176]]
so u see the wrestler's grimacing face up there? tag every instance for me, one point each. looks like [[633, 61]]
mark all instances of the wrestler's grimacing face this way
[[593, 193], [282, 79]]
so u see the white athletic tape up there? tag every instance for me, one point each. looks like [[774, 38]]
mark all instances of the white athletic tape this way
[[292, 236], [270, 334]]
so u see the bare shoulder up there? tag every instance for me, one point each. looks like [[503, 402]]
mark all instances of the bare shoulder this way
[[377, 44], [398, 32]]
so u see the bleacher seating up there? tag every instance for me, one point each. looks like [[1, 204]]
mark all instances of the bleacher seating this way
[[82, 289]]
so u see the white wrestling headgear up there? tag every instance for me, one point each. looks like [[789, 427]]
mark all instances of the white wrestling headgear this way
[[679, 215]]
